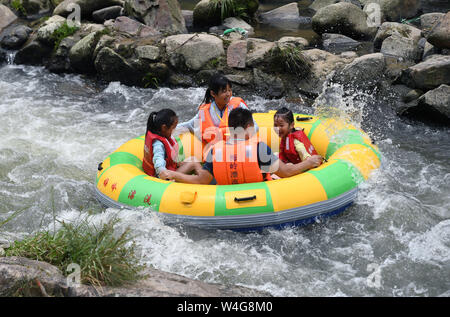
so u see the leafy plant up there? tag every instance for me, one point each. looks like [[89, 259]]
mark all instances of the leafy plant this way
[[228, 8], [150, 80], [104, 259], [18, 6], [62, 32], [291, 59]]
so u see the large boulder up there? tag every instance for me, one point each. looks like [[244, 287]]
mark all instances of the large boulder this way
[[338, 43], [136, 29], [429, 74], [428, 21], [108, 13], [429, 6], [342, 18], [16, 37], [46, 30], [438, 98], [33, 53], [284, 17], [195, 49], [363, 72], [81, 54], [86, 6], [440, 34], [395, 10], [393, 28], [113, 67], [162, 15], [6, 17], [257, 50], [402, 47]]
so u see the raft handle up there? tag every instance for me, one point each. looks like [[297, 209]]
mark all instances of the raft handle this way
[[244, 198], [100, 167], [303, 118]]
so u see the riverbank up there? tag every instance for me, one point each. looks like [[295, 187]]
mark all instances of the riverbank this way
[[406, 59]]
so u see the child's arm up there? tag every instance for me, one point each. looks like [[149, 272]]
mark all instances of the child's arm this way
[[159, 154], [301, 150]]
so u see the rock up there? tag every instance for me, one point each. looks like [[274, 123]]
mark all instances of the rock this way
[[2, 60], [104, 41], [107, 13], [293, 41], [239, 79], [236, 54], [33, 53], [439, 99], [257, 49], [342, 18], [284, 17], [270, 86], [319, 4], [34, 7], [428, 50], [195, 49], [395, 10], [395, 65], [429, 74], [440, 34], [162, 15], [46, 30], [16, 272], [59, 61], [148, 52], [112, 67], [188, 16], [428, 22], [363, 72], [399, 46], [81, 54], [390, 28], [16, 37], [232, 22], [428, 6], [338, 43], [134, 28], [6, 17], [18, 277], [86, 6]]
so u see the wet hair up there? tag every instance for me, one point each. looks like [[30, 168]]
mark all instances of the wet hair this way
[[217, 82], [156, 119], [285, 114], [240, 117]]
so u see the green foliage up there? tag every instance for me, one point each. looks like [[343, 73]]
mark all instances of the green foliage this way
[[290, 59], [228, 8], [62, 32], [18, 6], [104, 259], [150, 80]]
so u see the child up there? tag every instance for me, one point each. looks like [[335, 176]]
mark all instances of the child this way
[[295, 146], [161, 148]]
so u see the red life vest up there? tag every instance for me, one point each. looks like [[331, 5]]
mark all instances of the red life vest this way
[[209, 130], [288, 153], [237, 163], [171, 148]]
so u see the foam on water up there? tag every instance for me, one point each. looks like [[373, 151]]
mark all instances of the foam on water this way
[[393, 241]]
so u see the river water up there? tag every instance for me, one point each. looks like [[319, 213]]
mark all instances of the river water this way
[[394, 240]]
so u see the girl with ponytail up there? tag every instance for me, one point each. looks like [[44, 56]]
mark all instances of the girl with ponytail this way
[[161, 148]]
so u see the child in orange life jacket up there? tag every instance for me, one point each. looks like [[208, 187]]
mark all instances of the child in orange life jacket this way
[[295, 146], [242, 158], [161, 148]]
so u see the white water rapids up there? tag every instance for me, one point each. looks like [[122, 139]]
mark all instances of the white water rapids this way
[[393, 241]]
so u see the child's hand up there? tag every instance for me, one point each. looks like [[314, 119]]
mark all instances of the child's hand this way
[[166, 175], [315, 160]]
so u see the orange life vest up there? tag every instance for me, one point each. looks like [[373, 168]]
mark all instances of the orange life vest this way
[[171, 148], [237, 163], [210, 132]]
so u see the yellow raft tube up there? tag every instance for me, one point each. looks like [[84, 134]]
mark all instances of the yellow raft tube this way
[[320, 192]]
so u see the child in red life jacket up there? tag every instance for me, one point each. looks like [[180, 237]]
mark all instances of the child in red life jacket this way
[[161, 148], [295, 146]]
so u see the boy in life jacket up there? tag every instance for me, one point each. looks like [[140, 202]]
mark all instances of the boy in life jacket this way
[[211, 122], [295, 146], [242, 158], [161, 148]]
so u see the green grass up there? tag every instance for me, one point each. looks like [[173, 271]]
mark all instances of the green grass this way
[[291, 60], [18, 6], [62, 32], [104, 258], [228, 8]]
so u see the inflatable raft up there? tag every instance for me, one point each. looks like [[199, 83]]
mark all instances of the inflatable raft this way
[[320, 192]]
